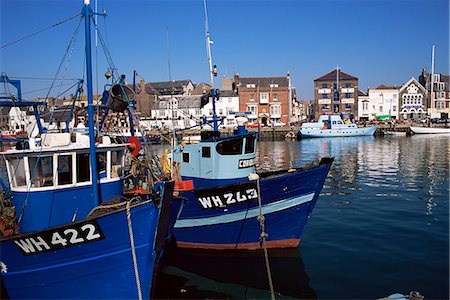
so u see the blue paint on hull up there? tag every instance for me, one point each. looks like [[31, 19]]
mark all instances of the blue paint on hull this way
[[44, 209], [287, 199], [99, 269]]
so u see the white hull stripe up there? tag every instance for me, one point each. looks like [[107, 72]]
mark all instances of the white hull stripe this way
[[251, 213]]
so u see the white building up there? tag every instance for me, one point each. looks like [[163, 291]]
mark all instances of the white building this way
[[226, 107], [386, 101], [413, 99]]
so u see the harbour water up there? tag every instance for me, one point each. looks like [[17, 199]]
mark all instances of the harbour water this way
[[381, 226]]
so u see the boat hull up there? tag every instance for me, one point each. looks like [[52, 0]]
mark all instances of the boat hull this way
[[430, 130], [98, 268], [287, 202], [320, 133]]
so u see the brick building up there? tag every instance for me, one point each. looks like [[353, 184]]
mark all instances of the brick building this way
[[336, 92], [268, 99]]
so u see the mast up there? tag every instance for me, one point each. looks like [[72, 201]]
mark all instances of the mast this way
[[212, 70], [432, 83], [92, 154]]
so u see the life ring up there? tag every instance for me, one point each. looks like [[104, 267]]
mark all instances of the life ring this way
[[134, 146]]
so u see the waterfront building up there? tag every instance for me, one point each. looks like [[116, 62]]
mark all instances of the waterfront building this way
[[366, 109], [268, 99], [439, 102], [336, 92], [413, 99], [226, 107], [384, 102]]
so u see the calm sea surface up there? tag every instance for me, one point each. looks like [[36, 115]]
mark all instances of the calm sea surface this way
[[380, 226]]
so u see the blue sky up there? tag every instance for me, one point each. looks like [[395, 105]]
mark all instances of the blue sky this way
[[378, 41]]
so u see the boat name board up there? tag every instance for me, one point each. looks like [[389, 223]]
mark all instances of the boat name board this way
[[55, 239], [226, 196], [246, 163]]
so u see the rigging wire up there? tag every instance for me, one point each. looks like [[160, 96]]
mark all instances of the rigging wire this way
[[39, 31]]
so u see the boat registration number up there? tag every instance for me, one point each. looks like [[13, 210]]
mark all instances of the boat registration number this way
[[226, 196], [55, 239]]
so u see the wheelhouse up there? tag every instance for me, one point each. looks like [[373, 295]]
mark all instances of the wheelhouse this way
[[55, 169], [222, 159]]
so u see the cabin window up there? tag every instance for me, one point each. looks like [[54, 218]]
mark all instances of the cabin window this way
[[64, 169], [83, 171], [230, 147], [17, 172], [185, 157], [101, 164], [41, 171], [206, 152], [250, 144], [116, 163]]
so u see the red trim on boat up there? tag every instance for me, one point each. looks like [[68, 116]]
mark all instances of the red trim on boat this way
[[289, 243]]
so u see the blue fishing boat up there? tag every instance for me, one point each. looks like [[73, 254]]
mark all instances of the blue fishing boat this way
[[71, 225], [228, 196], [229, 205]]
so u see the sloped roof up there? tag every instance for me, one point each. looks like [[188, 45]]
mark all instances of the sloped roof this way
[[386, 87], [416, 82], [332, 75], [192, 101], [228, 94], [361, 93], [166, 87], [282, 81]]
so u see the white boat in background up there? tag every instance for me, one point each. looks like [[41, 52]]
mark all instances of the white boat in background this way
[[430, 130], [333, 126]]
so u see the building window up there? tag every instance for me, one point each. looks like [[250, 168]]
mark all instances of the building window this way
[[380, 108], [253, 109], [275, 97], [324, 96], [272, 85], [264, 98], [365, 106], [250, 85], [348, 106], [275, 110], [336, 108], [347, 85], [252, 97], [324, 107], [394, 108], [336, 96], [440, 104], [198, 112], [324, 86], [347, 95]]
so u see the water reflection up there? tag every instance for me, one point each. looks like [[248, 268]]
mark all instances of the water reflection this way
[[196, 274]]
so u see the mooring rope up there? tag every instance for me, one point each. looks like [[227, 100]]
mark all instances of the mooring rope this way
[[133, 252], [262, 238]]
